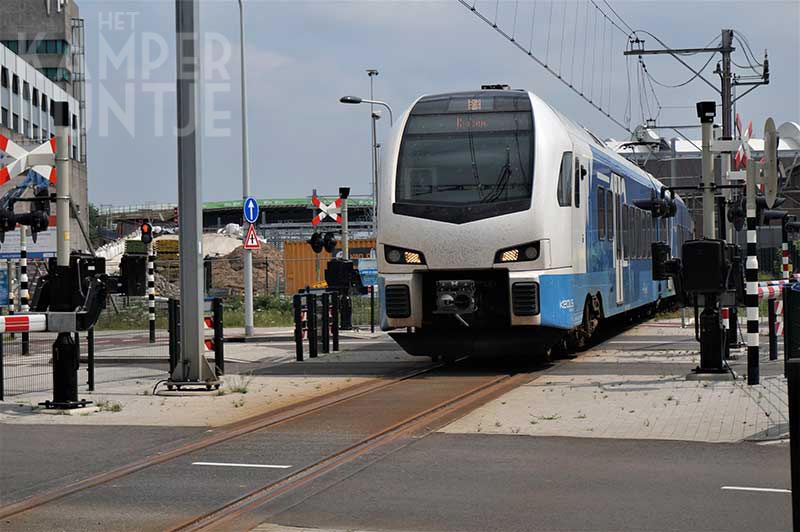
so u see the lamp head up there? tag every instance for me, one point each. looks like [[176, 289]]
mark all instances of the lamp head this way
[[350, 99]]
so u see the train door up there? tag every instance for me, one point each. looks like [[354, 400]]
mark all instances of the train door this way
[[618, 188], [579, 210]]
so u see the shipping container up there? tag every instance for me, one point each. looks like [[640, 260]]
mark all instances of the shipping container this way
[[304, 268]]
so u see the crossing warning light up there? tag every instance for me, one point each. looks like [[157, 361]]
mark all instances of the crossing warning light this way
[[329, 242], [316, 242], [147, 233]]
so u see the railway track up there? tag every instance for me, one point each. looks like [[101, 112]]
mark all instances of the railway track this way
[[409, 404]]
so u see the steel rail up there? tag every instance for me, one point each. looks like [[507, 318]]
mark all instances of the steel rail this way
[[221, 518], [226, 433]]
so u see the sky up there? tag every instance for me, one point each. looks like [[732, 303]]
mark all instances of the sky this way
[[303, 56]]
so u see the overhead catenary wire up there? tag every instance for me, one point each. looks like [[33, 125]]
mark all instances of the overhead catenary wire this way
[[511, 37]]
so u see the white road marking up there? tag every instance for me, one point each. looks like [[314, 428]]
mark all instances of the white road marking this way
[[223, 464], [744, 488], [654, 342]]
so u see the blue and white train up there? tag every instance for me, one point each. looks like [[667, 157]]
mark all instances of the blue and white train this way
[[504, 226]]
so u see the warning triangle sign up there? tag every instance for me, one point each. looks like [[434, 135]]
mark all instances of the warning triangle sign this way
[[250, 239]]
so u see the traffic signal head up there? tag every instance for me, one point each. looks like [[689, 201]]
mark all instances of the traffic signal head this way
[[737, 215], [147, 233], [316, 242], [329, 242]]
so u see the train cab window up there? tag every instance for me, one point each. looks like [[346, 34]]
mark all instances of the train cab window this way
[[601, 213], [565, 181], [579, 171], [610, 214]]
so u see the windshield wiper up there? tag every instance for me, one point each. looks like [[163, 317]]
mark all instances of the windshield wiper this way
[[502, 180]]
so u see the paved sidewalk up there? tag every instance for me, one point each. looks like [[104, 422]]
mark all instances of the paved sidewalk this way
[[634, 386]]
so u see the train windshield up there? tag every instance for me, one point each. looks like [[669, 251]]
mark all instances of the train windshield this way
[[474, 149]]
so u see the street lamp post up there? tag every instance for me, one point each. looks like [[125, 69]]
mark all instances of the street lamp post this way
[[248, 254], [375, 117], [372, 73]]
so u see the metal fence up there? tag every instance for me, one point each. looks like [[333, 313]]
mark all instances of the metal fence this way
[[118, 349]]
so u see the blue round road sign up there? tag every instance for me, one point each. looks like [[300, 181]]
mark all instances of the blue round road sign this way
[[250, 209]]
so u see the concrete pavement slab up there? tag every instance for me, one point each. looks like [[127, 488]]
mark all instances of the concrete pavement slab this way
[[634, 386]]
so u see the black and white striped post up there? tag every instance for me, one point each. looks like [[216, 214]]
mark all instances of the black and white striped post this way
[[751, 278], [151, 291], [23, 284]]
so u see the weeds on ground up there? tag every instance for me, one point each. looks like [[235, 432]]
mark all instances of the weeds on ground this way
[[109, 406], [238, 384]]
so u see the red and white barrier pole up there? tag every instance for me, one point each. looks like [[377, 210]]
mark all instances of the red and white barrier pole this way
[[23, 323]]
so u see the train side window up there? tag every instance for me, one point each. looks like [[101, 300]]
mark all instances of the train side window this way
[[565, 180], [637, 234], [641, 233], [610, 214], [626, 243], [601, 213]]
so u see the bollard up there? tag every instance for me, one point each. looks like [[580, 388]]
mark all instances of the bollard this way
[[297, 304], [772, 324], [794, 436], [311, 313], [372, 309], [90, 359], [219, 336], [335, 321], [326, 331]]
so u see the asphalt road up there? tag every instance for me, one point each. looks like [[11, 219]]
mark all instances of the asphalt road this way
[[487, 483]]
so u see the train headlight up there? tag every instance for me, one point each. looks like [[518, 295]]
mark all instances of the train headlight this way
[[403, 256], [522, 253]]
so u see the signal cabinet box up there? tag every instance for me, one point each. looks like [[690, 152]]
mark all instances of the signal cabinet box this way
[[705, 266], [133, 270]]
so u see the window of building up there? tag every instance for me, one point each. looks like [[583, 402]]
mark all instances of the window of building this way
[[44, 103], [15, 124], [4, 116], [35, 131], [56, 74], [26, 127], [26, 90], [74, 121], [74, 152], [601, 213], [36, 97], [565, 180], [12, 45], [610, 214], [15, 84], [4, 77]]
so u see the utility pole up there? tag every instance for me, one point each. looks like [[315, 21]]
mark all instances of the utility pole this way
[[192, 366], [727, 84], [248, 254]]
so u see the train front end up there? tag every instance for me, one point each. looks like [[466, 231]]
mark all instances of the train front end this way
[[459, 244]]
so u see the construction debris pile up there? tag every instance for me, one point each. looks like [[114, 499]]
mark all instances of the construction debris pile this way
[[226, 271]]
